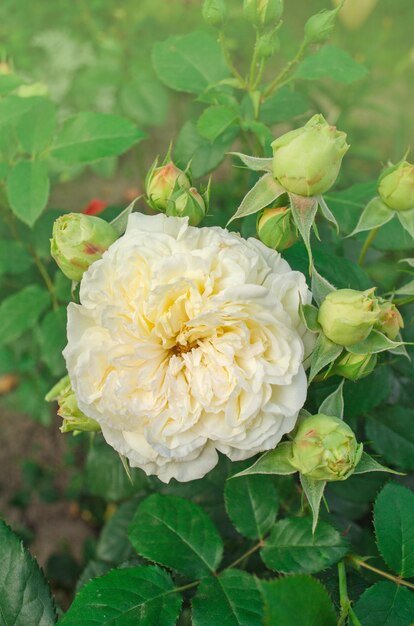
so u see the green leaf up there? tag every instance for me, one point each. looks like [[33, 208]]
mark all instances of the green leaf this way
[[405, 290], [251, 504], [394, 528], [327, 213], [284, 105], [324, 353], [176, 533], [88, 136], [331, 62], [393, 236], [215, 120], [190, 63], [275, 461], [385, 604], [321, 287], [375, 342], [368, 464], [297, 601], [204, 155], [8, 83], [21, 311], [52, 340], [391, 434], [28, 190], [106, 476], [263, 193], [12, 108], [24, 593], [375, 214], [231, 599], [310, 317], [114, 546], [14, 257], [127, 597], [334, 404], [145, 100], [407, 221], [303, 213], [292, 548], [313, 490], [364, 395], [36, 127]]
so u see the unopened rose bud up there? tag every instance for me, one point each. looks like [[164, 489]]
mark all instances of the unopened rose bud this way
[[188, 203], [390, 320], [263, 12], [78, 241], [319, 27], [214, 12], [306, 161], [396, 187], [354, 366], [325, 448], [267, 45], [275, 228], [162, 182], [348, 316], [73, 418]]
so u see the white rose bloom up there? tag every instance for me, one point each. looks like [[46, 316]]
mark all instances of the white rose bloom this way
[[188, 341]]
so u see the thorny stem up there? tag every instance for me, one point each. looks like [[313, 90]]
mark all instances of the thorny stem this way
[[345, 602], [229, 60], [253, 64], [284, 76], [368, 241], [354, 560]]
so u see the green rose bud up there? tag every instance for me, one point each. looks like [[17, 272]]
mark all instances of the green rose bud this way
[[307, 160], [187, 203], [354, 366], [390, 320], [263, 12], [325, 448], [267, 45], [396, 187], [275, 228], [214, 12], [319, 27], [162, 182], [73, 418], [348, 316], [78, 241]]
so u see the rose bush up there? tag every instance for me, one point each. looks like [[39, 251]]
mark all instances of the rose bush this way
[[188, 342]]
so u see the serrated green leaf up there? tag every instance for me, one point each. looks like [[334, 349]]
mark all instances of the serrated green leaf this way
[[14, 257], [28, 190], [12, 108], [106, 476], [334, 403], [190, 63], [52, 340], [176, 533], [364, 395], [292, 548], [114, 546], [297, 600], [145, 100], [394, 528], [375, 214], [324, 353], [251, 504], [233, 598], [215, 120], [204, 155], [127, 597], [263, 193], [385, 604], [36, 127], [313, 490], [283, 106], [88, 136], [24, 593], [275, 461], [390, 432], [331, 62], [21, 311]]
